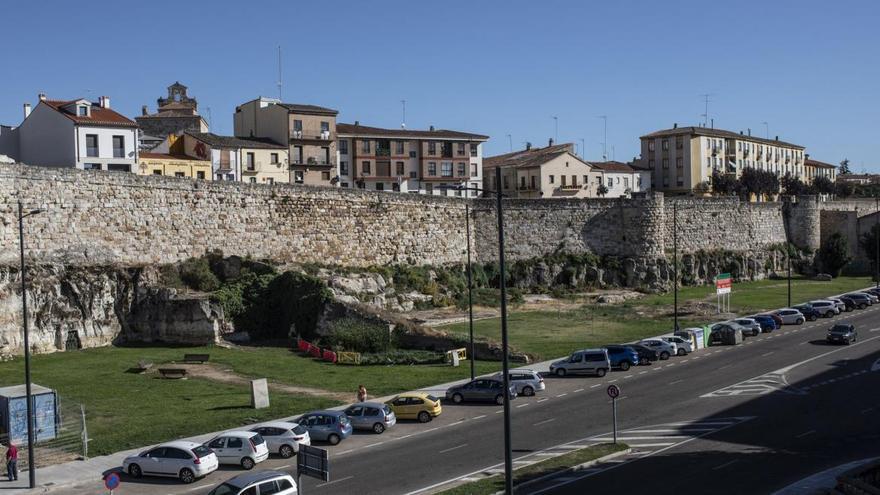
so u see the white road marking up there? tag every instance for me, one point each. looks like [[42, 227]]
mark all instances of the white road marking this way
[[542, 400], [453, 448], [683, 429], [522, 405], [578, 390], [334, 481], [805, 434], [627, 376], [543, 422], [661, 444], [560, 395], [642, 372], [483, 415], [622, 438], [762, 355], [725, 465], [673, 383], [866, 411], [612, 381], [591, 386]]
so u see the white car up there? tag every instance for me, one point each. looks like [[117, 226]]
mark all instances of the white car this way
[[244, 448], [274, 482], [683, 347], [841, 306], [791, 316], [664, 349], [527, 382], [825, 308], [283, 437], [184, 460]]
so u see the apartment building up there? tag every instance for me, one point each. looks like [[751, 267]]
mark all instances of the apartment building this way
[[308, 131], [252, 160], [175, 114], [550, 172], [621, 180], [432, 161], [815, 168], [174, 166], [682, 159]]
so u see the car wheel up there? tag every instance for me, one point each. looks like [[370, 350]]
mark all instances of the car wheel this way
[[800, 321], [187, 476], [601, 372], [643, 361], [286, 451], [624, 365], [424, 417], [829, 314], [682, 352], [528, 391], [499, 399], [560, 372], [247, 463], [378, 428], [664, 356], [135, 471], [813, 317], [862, 306], [333, 439], [457, 398]]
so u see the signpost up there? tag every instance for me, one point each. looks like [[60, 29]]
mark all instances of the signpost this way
[[313, 462], [614, 393], [111, 482], [723, 286]]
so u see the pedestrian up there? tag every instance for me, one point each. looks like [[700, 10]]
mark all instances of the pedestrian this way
[[362, 393], [12, 462]]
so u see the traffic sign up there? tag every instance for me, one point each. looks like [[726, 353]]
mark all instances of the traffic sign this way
[[314, 462], [111, 481], [613, 391]]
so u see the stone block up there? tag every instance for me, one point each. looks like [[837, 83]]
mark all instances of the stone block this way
[[259, 393]]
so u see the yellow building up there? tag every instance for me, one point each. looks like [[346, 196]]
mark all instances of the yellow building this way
[[173, 166]]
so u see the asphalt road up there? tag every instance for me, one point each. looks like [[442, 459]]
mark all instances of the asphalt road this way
[[717, 419]]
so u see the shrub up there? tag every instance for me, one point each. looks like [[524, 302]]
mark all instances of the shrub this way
[[403, 357], [355, 335], [197, 275], [290, 300], [834, 254], [236, 297]]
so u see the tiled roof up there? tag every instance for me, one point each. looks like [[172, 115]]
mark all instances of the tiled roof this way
[[366, 131], [99, 115], [721, 133], [301, 108], [816, 163], [235, 142], [166, 156], [534, 157], [613, 167]]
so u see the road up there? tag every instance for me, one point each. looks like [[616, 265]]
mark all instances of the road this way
[[716, 418]]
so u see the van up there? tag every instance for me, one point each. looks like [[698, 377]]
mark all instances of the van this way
[[586, 361]]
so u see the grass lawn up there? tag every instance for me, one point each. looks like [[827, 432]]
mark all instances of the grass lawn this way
[[494, 484], [551, 334]]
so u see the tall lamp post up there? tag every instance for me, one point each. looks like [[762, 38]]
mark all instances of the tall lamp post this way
[[675, 263], [32, 478], [877, 240], [471, 355]]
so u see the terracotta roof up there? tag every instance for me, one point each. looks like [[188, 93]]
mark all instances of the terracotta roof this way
[[721, 133], [816, 163], [99, 115], [235, 142], [613, 167], [166, 156], [362, 130], [315, 109], [534, 157]]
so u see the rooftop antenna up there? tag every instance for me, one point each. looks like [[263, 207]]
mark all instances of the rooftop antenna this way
[[583, 147], [210, 120], [766, 130], [605, 137], [279, 73], [706, 101], [403, 122], [612, 152], [556, 129], [510, 140]]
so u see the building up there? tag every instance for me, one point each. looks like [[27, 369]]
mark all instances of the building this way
[[432, 161], [683, 159], [174, 166], [309, 132], [73, 133], [858, 179], [550, 172], [621, 180], [815, 168], [175, 114], [253, 160]]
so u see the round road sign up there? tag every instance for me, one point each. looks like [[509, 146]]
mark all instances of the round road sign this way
[[613, 391], [111, 481]]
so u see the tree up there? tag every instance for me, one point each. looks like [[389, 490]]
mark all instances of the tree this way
[[844, 167], [602, 190], [793, 186], [834, 254], [757, 182], [843, 190], [821, 185], [868, 243], [723, 184]]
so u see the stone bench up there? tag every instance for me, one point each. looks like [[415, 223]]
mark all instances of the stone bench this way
[[172, 372], [196, 358]]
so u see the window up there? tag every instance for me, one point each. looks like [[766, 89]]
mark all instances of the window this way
[[432, 148], [574, 180], [474, 171], [413, 174], [269, 488], [651, 163], [97, 166], [679, 162], [666, 163], [325, 150], [343, 168], [179, 174], [298, 125], [325, 127], [325, 175], [446, 169], [610, 182], [474, 149], [429, 188], [91, 145], [82, 111], [297, 154], [708, 144], [552, 179], [506, 182], [343, 147], [298, 176], [460, 149], [462, 169], [586, 180], [274, 157], [270, 180], [679, 142], [155, 170], [563, 179], [399, 167], [249, 160], [446, 150], [412, 154], [253, 180], [522, 182], [650, 145], [344, 184], [118, 146], [534, 179], [432, 168], [365, 145], [739, 145], [395, 186], [626, 183], [665, 145], [398, 148], [365, 167], [119, 167], [380, 186], [200, 175]]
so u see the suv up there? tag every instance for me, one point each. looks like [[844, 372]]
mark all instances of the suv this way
[[184, 460], [274, 482], [826, 308], [593, 361], [768, 324], [622, 356], [526, 382], [664, 349], [842, 332], [809, 312], [283, 437], [791, 316], [481, 389], [371, 416], [245, 448], [683, 346], [749, 325], [862, 300], [328, 426]]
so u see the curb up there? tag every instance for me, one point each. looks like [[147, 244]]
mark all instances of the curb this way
[[573, 469]]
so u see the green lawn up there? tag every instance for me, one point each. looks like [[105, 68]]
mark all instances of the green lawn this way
[[494, 484]]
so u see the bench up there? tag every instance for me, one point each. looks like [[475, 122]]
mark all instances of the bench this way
[[196, 358], [142, 366], [172, 372]]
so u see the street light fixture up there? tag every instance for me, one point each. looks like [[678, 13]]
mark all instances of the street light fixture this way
[[32, 479]]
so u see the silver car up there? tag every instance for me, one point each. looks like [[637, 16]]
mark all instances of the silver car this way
[[825, 308], [841, 306], [683, 346], [283, 438], [374, 416], [790, 316], [750, 326], [590, 361], [664, 349], [526, 382], [184, 460]]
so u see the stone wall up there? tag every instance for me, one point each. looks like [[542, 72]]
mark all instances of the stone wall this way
[[722, 224]]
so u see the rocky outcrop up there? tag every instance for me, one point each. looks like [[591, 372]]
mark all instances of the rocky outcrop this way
[[162, 315]]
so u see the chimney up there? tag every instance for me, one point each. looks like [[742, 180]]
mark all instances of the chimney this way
[[528, 146], [806, 156], [431, 128], [550, 142], [42, 96], [675, 125], [27, 110], [357, 122], [104, 101], [777, 138], [740, 133], [713, 123], [750, 131], [144, 110]]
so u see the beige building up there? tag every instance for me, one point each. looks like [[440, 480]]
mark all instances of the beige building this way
[[256, 161], [621, 180], [682, 159], [308, 131], [550, 172], [173, 166], [815, 168]]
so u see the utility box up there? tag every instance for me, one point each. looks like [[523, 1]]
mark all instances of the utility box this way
[[13, 413], [694, 335]]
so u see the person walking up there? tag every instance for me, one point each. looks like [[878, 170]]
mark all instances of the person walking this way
[[12, 462], [362, 393]]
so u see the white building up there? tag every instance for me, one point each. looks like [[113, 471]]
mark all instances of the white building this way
[[620, 179]]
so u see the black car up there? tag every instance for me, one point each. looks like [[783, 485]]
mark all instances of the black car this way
[[646, 354], [844, 333], [809, 312], [849, 302], [861, 301]]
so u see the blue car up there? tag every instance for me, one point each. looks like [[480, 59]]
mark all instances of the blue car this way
[[622, 356], [326, 426], [768, 324]]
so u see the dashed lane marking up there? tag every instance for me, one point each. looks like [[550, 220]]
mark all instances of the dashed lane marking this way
[[806, 433], [452, 448], [722, 466], [539, 423]]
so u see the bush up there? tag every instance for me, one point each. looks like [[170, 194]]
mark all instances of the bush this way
[[354, 335], [403, 357], [291, 299], [834, 254], [236, 297], [197, 275]]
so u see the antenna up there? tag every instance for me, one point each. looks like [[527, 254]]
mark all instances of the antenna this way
[[210, 120], [556, 129], [279, 73], [510, 140], [403, 122], [583, 147], [705, 115], [604, 137], [766, 130]]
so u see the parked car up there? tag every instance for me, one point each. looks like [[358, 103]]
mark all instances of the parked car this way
[[750, 326], [420, 406], [791, 316], [683, 346], [809, 312], [244, 448], [183, 460], [841, 306], [326, 426], [844, 333], [861, 300], [825, 308], [481, 389], [646, 354], [373, 416], [274, 482], [664, 349], [526, 382], [873, 291], [768, 324], [622, 356], [776, 318], [284, 438], [849, 303], [592, 361]]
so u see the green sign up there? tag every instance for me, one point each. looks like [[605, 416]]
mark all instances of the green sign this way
[[722, 276]]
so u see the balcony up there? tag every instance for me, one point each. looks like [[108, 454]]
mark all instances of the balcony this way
[[317, 161], [570, 187], [310, 135], [716, 150]]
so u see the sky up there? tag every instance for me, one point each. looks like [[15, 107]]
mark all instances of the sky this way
[[809, 69]]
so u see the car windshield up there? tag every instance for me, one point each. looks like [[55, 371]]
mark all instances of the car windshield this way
[[840, 328], [201, 451], [343, 419], [299, 430], [431, 398], [224, 489]]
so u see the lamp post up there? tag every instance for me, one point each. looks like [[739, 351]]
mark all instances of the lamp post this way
[[467, 214], [877, 240], [32, 479], [675, 263]]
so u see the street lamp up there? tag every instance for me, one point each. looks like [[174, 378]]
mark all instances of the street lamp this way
[[675, 262], [877, 239], [32, 479], [467, 215]]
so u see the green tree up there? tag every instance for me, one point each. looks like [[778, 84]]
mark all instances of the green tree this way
[[843, 190], [821, 185], [844, 167], [868, 243], [602, 190], [723, 184], [793, 186], [834, 254], [757, 182]]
